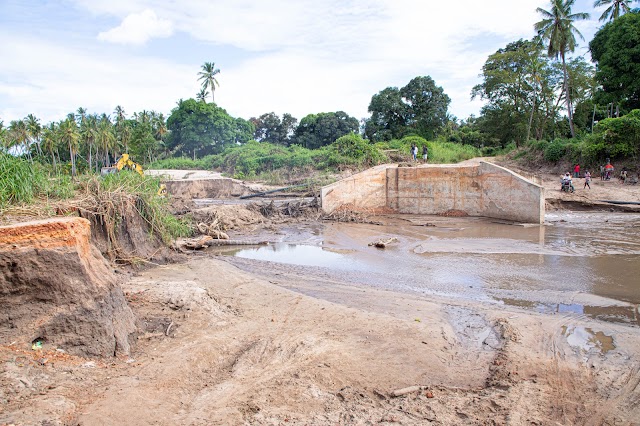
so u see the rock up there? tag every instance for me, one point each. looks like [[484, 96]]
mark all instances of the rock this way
[[56, 287]]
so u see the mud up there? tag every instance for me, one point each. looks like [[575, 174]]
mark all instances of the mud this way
[[492, 323]]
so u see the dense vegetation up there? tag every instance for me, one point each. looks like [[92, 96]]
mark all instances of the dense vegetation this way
[[540, 101]]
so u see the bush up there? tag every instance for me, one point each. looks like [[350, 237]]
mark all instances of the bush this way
[[353, 150], [554, 151]]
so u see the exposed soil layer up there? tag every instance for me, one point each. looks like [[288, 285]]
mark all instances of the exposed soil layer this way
[[57, 290]]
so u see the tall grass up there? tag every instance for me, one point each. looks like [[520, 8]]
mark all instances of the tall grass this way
[[153, 208], [21, 182]]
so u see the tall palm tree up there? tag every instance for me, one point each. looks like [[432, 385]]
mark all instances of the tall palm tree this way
[[105, 136], [34, 130], [208, 78], [557, 29], [70, 135], [616, 8], [50, 140], [202, 95], [18, 135]]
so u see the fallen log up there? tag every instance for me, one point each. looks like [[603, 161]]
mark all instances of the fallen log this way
[[260, 194], [199, 243], [410, 389], [383, 243]]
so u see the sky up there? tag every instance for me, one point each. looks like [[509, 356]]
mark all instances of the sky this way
[[284, 56]]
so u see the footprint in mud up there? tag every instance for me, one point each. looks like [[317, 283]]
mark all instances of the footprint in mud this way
[[472, 329]]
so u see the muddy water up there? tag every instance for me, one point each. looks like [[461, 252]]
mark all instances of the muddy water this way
[[579, 263]]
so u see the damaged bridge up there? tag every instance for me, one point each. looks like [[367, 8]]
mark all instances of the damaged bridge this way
[[481, 189]]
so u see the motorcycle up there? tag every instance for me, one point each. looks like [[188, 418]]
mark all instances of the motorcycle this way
[[567, 187]]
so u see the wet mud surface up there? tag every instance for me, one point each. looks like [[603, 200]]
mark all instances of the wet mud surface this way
[[578, 263]]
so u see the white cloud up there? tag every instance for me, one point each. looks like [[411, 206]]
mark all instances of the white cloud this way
[[138, 28], [295, 56]]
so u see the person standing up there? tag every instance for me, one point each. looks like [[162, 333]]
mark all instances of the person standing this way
[[425, 153], [601, 172], [413, 151], [576, 171], [587, 180]]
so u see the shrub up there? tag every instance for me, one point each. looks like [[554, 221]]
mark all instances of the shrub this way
[[554, 151]]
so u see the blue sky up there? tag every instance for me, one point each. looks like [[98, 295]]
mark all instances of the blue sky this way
[[295, 56]]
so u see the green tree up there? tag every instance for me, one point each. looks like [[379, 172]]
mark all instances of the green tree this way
[[615, 10], [196, 127], [427, 106], [34, 131], [317, 130], [270, 128], [208, 78], [3, 136], [69, 135], [419, 107], [50, 136], [615, 49], [557, 29], [19, 136], [105, 137], [202, 95]]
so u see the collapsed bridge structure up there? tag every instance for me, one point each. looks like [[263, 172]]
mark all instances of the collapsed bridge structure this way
[[481, 189]]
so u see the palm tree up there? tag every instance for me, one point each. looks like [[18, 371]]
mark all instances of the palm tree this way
[[34, 130], [202, 95], [69, 135], [50, 140], [208, 77], [557, 29], [616, 8], [88, 133], [105, 136], [18, 135]]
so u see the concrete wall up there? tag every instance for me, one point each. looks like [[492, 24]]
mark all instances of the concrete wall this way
[[479, 190], [363, 191]]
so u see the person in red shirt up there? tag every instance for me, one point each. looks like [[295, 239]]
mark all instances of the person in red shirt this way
[[608, 171], [576, 171]]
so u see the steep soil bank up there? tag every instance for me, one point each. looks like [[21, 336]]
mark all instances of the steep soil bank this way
[[57, 290]]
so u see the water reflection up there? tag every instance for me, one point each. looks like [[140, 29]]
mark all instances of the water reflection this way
[[580, 263]]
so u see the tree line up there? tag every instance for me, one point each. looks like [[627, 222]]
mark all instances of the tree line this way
[[533, 90]]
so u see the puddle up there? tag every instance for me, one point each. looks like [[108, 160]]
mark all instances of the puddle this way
[[583, 263], [296, 254], [587, 340]]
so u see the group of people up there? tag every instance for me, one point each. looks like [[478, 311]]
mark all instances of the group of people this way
[[606, 172], [414, 152]]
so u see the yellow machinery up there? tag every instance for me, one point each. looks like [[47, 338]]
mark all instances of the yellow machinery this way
[[123, 161]]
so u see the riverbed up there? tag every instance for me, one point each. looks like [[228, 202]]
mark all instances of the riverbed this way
[[577, 263]]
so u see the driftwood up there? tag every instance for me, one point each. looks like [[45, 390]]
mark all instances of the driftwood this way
[[383, 243], [410, 389], [203, 241]]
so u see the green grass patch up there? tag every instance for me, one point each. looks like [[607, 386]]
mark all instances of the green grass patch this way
[[22, 182]]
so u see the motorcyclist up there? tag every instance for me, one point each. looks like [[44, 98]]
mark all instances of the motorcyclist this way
[[566, 180]]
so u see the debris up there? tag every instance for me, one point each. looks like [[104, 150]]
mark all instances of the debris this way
[[429, 394], [404, 391], [383, 243], [454, 213]]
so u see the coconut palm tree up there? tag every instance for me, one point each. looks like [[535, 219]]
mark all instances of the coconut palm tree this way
[[69, 134], [34, 130], [556, 28], [105, 136], [50, 140], [202, 95], [615, 9], [88, 134], [18, 135], [208, 78]]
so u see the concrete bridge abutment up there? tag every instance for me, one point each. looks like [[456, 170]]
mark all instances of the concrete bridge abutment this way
[[481, 189]]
